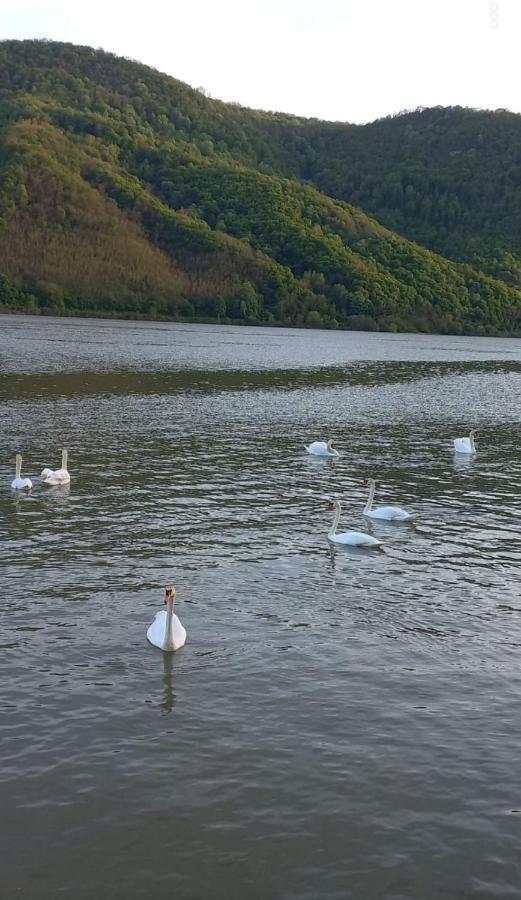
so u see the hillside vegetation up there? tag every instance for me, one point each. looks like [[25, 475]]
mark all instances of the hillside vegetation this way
[[125, 192]]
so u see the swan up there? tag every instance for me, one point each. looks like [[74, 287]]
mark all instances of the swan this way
[[18, 483], [57, 476], [354, 538], [166, 631], [320, 448], [390, 513], [465, 444]]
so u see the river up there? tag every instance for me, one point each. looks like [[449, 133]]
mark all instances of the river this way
[[340, 723]]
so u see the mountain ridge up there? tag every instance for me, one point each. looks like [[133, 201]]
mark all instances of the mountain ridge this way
[[126, 192]]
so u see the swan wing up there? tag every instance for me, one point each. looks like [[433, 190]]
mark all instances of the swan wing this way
[[179, 633], [317, 447], [320, 448], [20, 484], [156, 631], [463, 445], [389, 513], [58, 476], [356, 539]]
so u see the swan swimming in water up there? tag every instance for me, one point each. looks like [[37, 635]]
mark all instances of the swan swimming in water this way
[[465, 444], [354, 538], [166, 631], [57, 476], [18, 483], [389, 513], [321, 448]]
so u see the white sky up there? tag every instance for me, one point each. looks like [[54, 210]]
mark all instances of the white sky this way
[[350, 60]]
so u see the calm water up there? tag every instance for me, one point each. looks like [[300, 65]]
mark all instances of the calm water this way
[[341, 723]]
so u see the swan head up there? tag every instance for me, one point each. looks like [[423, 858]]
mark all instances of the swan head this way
[[170, 593], [368, 482], [331, 505], [472, 434], [330, 444], [45, 473]]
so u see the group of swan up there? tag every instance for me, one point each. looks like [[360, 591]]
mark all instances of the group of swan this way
[[361, 538], [385, 513], [166, 631], [326, 448], [382, 513], [48, 476]]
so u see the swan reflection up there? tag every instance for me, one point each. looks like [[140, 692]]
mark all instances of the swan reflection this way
[[169, 697]]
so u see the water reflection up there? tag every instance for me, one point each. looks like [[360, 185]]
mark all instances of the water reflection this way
[[57, 493], [321, 462], [316, 671], [463, 462], [169, 695]]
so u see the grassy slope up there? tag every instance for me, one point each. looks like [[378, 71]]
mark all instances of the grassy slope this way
[[123, 189]]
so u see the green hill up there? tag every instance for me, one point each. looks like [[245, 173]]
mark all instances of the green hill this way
[[447, 178], [125, 192]]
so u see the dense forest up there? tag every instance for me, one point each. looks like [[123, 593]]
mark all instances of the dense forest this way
[[125, 192]]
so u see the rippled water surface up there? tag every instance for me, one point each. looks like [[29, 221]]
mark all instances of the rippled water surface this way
[[341, 723]]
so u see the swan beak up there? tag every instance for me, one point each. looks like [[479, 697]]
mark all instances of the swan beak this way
[[169, 593], [329, 506], [365, 482]]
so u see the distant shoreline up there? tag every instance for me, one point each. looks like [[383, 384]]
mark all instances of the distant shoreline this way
[[84, 314]]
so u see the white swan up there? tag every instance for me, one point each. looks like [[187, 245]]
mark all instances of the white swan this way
[[465, 444], [389, 513], [57, 476], [166, 631], [354, 538], [18, 483], [320, 448]]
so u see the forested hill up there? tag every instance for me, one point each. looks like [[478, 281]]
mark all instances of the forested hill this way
[[126, 192]]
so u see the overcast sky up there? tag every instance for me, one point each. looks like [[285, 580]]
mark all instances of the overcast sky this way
[[350, 60]]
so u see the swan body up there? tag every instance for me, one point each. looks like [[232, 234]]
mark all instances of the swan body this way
[[57, 476], [321, 448], [18, 483], [387, 513], [465, 444], [353, 538], [166, 631]]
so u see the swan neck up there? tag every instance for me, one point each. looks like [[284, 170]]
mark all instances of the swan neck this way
[[336, 519], [471, 439], [168, 640], [18, 465], [64, 459], [369, 503]]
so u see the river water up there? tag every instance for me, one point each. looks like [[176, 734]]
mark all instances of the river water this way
[[341, 723]]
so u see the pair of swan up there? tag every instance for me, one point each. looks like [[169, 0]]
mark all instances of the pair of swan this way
[[48, 476], [361, 538], [465, 444], [322, 448], [166, 631]]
